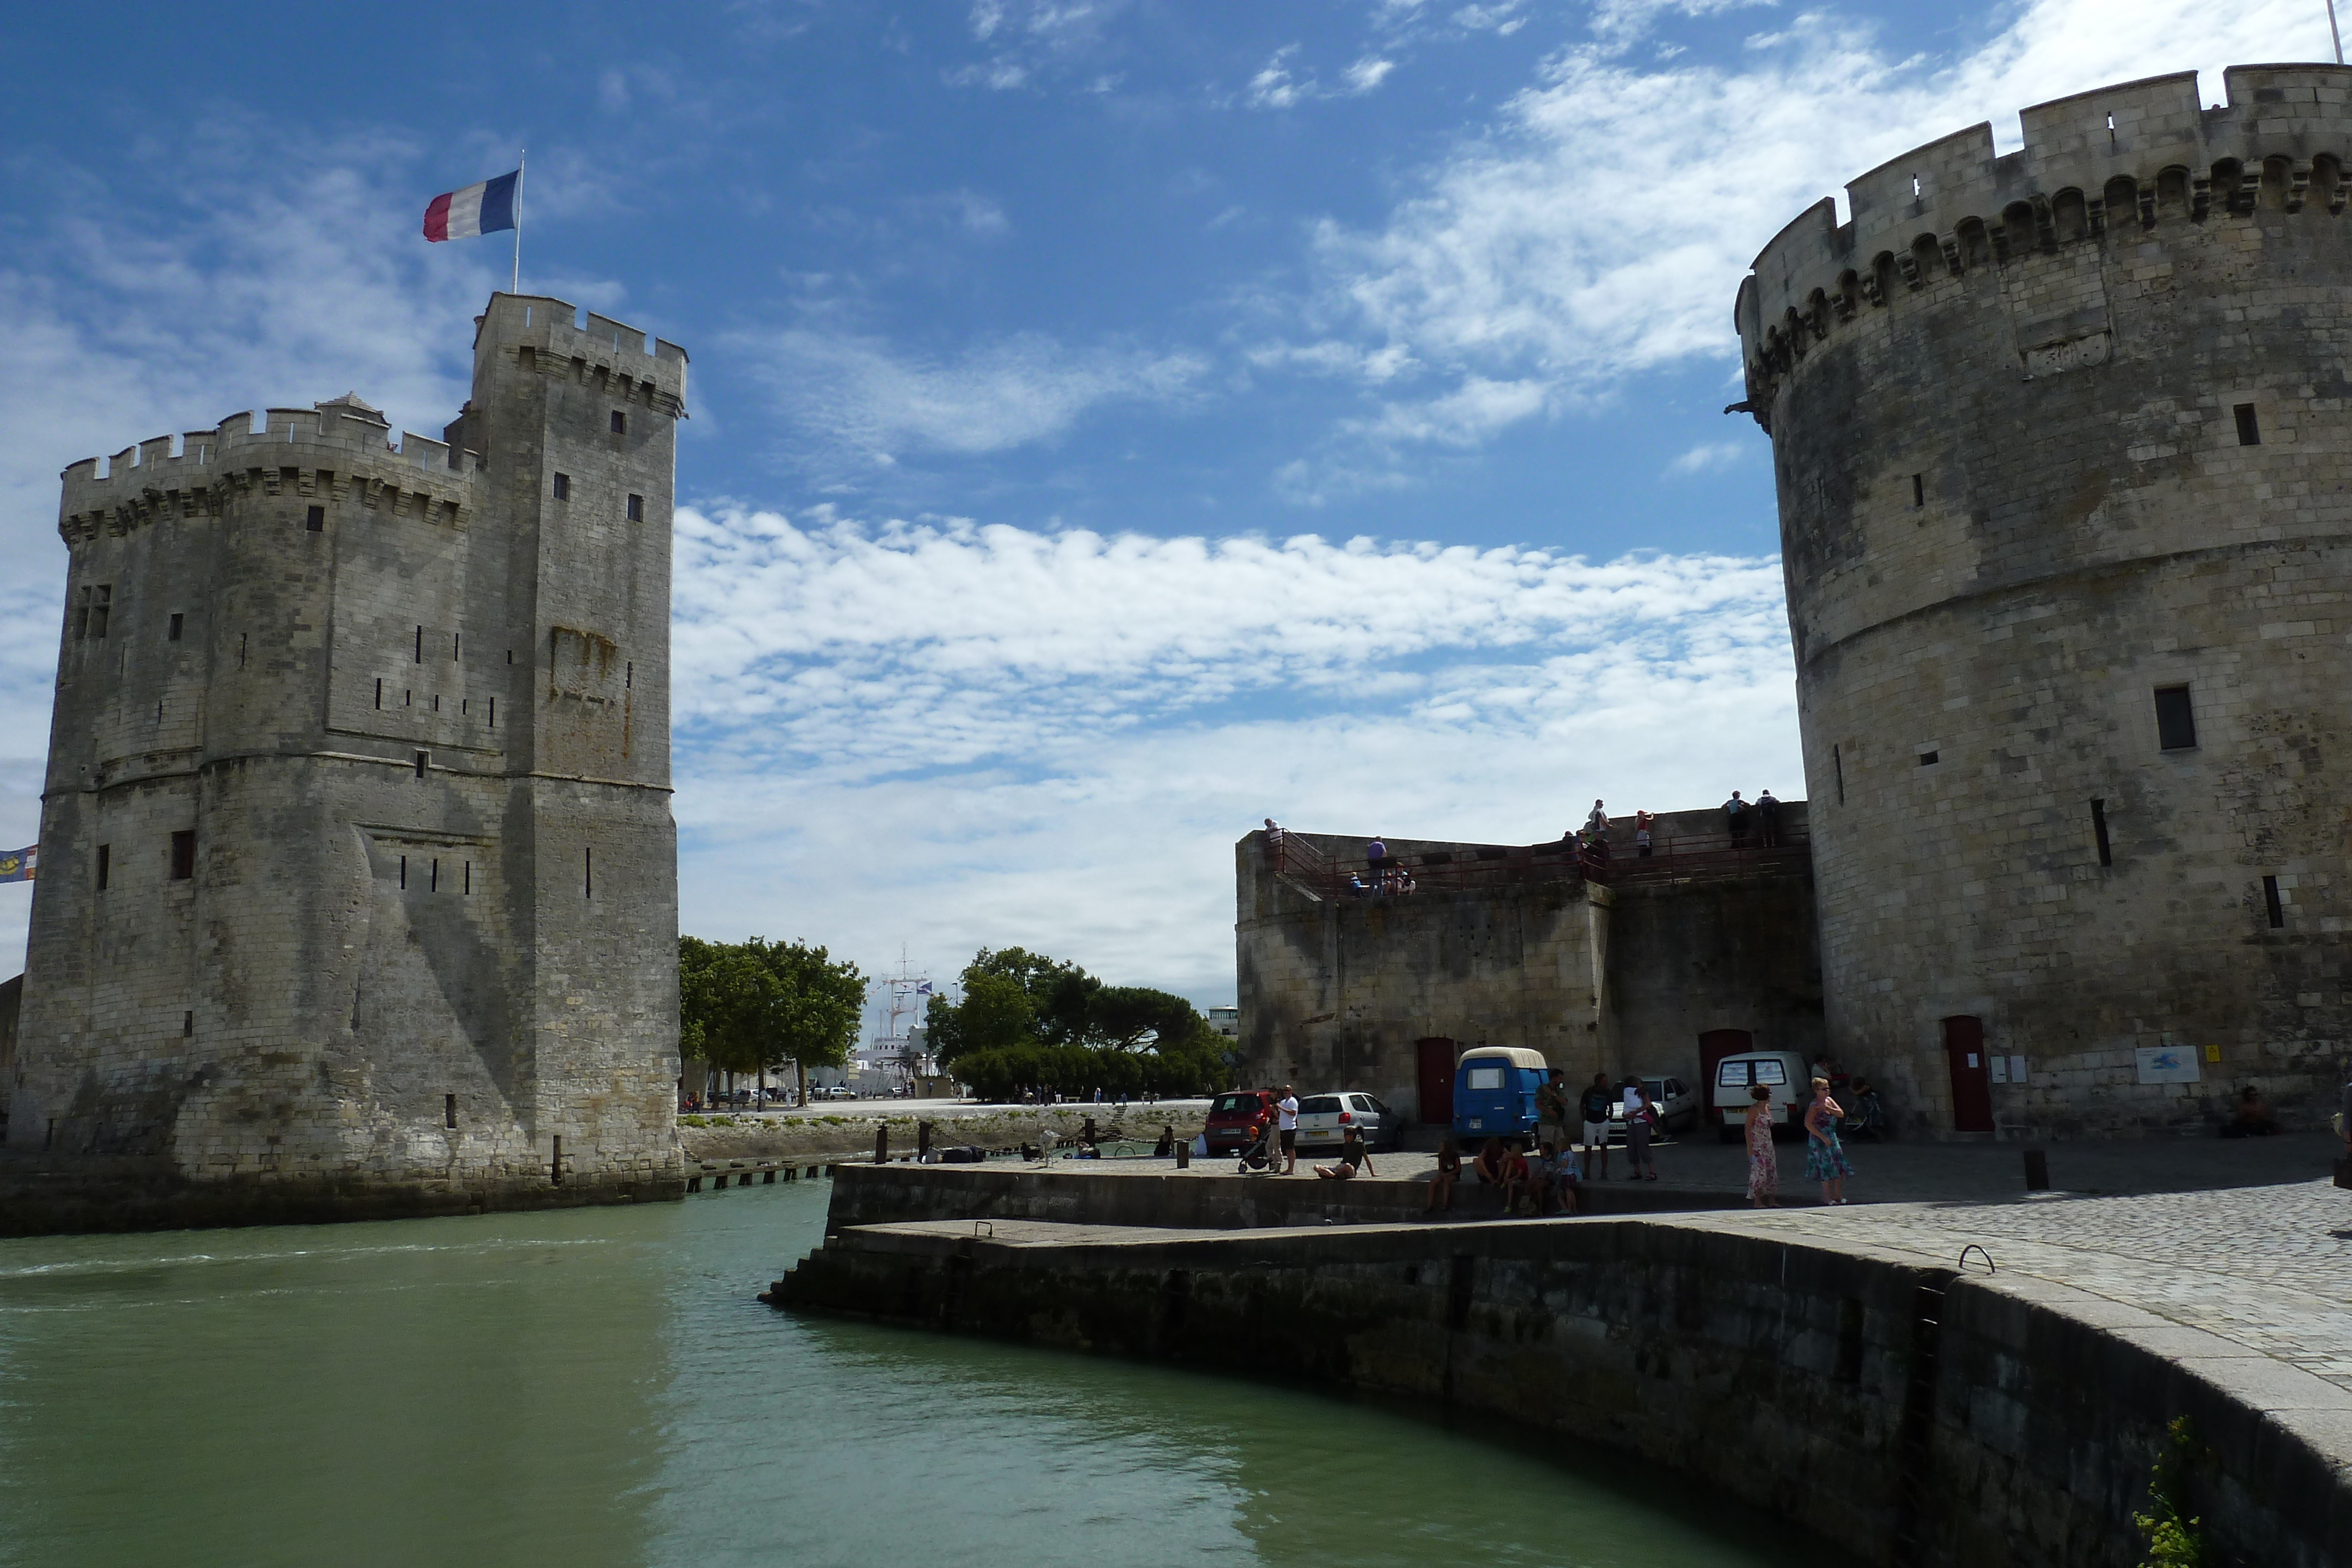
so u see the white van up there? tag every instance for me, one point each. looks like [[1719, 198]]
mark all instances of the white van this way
[[1785, 1072]]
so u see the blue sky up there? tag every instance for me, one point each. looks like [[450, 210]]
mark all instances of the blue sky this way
[[1112, 421]]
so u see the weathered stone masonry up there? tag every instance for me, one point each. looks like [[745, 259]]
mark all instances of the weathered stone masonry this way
[[2054, 433], [359, 873]]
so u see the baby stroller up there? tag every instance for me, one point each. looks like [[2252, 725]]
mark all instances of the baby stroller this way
[[1259, 1155]]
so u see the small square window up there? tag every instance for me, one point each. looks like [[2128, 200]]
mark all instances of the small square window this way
[[315, 519], [2175, 719], [183, 855], [2250, 432], [171, 628], [636, 508], [1929, 758], [620, 423], [563, 487]]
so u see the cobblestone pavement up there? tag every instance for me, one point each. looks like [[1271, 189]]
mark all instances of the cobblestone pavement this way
[[2269, 1267]]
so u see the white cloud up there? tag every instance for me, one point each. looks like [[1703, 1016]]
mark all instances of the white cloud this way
[[1274, 86], [1709, 456], [1368, 73], [1279, 86], [857, 395], [1600, 227], [949, 734]]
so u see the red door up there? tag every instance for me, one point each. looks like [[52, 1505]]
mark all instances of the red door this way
[[1971, 1078], [1434, 1058], [1713, 1047]]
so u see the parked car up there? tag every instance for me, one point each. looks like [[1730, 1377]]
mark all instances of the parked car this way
[[1324, 1119], [1785, 1072], [1678, 1109], [1231, 1115], [1495, 1093]]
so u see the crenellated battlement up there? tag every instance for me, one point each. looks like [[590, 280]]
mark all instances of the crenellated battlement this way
[[2114, 158], [336, 448], [560, 340]]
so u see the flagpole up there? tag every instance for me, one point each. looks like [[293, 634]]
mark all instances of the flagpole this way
[[523, 161], [2334, 33]]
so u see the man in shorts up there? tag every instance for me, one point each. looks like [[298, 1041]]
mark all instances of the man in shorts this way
[[1287, 1128], [1597, 1104]]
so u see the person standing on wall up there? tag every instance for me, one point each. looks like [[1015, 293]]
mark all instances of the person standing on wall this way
[[1376, 856], [1639, 1121], [1642, 821], [1825, 1160], [1768, 820], [1286, 1129], [1596, 1105], [1735, 817], [1551, 1113], [1596, 821], [1763, 1157]]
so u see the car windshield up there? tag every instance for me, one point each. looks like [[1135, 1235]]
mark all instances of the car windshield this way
[[1232, 1103], [1486, 1077], [1313, 1104]]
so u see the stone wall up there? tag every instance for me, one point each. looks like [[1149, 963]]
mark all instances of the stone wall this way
[[359, 868], [1621, 970], [1904, 1413], [2054, 431]]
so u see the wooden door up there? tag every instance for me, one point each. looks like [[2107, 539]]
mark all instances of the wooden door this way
[[1713, 1047], [1434, 1061], [1964, 1044]]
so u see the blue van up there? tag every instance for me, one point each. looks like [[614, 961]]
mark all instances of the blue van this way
[[1495, 1093]]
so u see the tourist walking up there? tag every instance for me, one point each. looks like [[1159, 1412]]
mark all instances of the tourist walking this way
[[1768, 820], [1552, 1112], [1825, 1160], [1443, 1180], [1286, 1129], [1763, 1156], [1594, 1105], [1639, 1121], [1735, 817]]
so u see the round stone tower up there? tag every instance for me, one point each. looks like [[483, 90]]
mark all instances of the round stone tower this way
[[2061, 440]]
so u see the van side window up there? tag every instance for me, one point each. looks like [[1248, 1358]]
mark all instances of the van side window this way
[[1771, 1072], [1486, 1077]]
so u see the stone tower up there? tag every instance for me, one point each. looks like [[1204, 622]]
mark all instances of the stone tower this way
[[2061, 439], [359, 884]]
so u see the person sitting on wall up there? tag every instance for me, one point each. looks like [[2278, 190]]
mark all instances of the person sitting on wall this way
[[1358, 885], [1165, 1149], [1488, 1166], [1443, 1180], [1353, 1157], [2252, 1117], [1518, 1179]]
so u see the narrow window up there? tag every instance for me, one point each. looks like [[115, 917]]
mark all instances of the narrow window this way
[[2099, 832], [2176, 720], [464, 706], [510, 655], [408, 697], [449, 1109], [555, 1165], [436, 702], [420, 645], [1929, 758], [404, 872], [468, 887], [587, 873], [433, 876], [629, 675], [240, 664], [100, 606], [563, 487], [2250, 433], [172, 628], [455, 639], [620, 423], [636, 508], [81, 616], [379, 691], [423, 757], [1837, 766], [183, 855], [187, 1025], [1919, 489], [315, 519], [105, 865], [2271, 904], [494, 713]]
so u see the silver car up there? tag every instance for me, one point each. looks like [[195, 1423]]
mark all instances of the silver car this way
[[1325, 1121], [1678, 1109]]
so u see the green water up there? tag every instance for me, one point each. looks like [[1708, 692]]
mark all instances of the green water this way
[[598, 1387]]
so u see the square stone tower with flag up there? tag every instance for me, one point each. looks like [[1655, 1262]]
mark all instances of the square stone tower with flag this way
[[358, 889]]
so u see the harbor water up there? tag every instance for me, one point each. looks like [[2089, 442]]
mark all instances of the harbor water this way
[[598, 1387]]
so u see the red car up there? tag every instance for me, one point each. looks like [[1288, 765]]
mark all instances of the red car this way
[[1233, 1115]]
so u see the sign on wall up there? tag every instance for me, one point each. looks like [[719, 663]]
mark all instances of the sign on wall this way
[[2167, 1065]]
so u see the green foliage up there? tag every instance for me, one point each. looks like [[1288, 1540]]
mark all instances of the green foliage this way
[[2175, 1538], [1028, 1021], [752, 1006]]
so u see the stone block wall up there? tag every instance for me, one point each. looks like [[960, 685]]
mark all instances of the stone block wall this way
[[360, 870], [2054, 432]]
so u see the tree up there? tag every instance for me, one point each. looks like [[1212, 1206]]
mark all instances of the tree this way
[[1029, 1021], [752, 1006]]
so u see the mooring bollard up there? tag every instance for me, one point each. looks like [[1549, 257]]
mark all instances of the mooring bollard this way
[[1184, 1156], [2037, 1170], [923, 1139], [882, 1146]]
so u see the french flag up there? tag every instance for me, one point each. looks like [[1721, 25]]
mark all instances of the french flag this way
[[478, 209]]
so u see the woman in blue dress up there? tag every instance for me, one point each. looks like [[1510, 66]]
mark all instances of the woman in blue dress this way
[[1825, 1160]]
